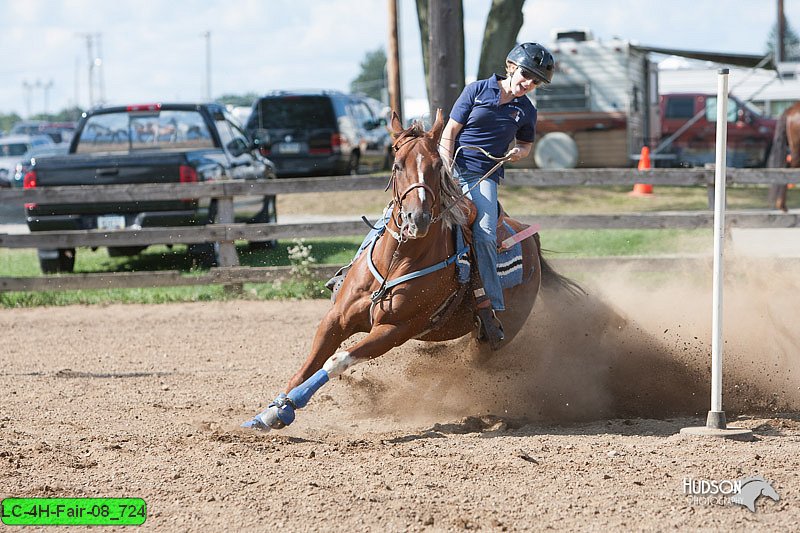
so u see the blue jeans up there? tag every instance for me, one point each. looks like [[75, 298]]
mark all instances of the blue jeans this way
[[484, 232]]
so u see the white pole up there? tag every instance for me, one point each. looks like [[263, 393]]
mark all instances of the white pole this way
[[716, 417]]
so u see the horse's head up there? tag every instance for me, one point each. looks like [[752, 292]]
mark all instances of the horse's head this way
[[416, 176]]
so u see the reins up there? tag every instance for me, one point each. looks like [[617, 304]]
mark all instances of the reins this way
[[500, 161]]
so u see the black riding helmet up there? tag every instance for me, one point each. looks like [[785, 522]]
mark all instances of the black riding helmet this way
[[535, 58]]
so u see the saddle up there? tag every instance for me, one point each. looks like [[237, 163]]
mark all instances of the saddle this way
[[504, 231]]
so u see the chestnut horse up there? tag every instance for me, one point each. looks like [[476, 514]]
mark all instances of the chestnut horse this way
[[785, 142], [405, 285]]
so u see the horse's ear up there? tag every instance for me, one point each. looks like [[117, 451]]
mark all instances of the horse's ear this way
[[396, 125], [438, 126]]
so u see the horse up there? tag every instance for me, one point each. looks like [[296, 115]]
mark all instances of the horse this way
[[785, 142], [405, 285]]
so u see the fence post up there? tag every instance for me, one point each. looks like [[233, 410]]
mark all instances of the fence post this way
[[227, 256]]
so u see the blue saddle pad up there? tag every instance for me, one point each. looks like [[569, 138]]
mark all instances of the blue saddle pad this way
[[509, 263]]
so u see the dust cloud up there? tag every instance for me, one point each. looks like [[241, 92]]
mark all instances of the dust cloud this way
[[636, 346]]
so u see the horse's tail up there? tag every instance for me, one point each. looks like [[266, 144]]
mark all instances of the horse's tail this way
[[552, 280], [780, 145]]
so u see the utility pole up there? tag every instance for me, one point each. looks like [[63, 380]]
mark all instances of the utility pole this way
[[27, 88], [780, 49], [92, 60], [101, 67], [76, 102], [45, 90], [207, 35], [393, 63]]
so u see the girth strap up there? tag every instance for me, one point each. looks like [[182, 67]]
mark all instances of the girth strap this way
[[386, 285]]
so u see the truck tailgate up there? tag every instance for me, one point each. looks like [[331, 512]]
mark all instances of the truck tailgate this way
[[109, 169]]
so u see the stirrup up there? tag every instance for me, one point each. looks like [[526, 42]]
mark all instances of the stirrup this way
[[489, 327]]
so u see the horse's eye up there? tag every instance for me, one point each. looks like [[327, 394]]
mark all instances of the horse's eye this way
[[396, 167]]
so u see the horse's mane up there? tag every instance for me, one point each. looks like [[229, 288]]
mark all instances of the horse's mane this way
[[450, 191]]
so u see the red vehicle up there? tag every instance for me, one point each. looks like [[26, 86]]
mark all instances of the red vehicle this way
[[688, 130]]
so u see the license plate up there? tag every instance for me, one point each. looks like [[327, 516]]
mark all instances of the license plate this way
[[288, 148], [111, 222]]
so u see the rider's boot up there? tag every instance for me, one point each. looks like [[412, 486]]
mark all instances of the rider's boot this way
[[489, 327]]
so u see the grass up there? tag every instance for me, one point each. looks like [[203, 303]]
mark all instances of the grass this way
[[339, 251]]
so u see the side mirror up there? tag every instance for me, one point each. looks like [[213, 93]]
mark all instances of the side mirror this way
[[237, 147]]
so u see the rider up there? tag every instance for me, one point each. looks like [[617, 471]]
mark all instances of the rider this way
[[490, 114]]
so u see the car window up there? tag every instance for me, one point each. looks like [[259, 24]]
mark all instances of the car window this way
[[124, 131], [711, 109], [295, 112], [680, 107], [13, 149], [361, 112]]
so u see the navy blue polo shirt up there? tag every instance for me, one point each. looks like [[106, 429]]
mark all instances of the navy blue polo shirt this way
[[490, 125]]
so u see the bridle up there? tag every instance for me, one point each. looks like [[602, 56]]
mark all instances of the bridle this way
[[399, 216]]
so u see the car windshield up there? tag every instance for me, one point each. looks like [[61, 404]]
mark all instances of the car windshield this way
[[123, 131], [13, 149], [295, 112]]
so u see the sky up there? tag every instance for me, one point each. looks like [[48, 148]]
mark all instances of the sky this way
[[156, 50]]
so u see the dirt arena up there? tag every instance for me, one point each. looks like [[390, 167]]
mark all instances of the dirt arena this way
[[575, 426]]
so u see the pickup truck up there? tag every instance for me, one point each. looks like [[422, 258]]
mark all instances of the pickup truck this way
[[689, 129], [153, 143]]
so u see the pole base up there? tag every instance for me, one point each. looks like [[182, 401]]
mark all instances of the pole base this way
[[717, 427], [728, 433]]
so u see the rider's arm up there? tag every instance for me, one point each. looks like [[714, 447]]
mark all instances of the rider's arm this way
[[448, 141]]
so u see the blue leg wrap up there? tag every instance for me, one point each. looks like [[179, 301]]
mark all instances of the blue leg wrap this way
[[301, 394]]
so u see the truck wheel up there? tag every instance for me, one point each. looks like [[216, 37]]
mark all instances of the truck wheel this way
[[268, 214], [353, 164], [205, 254], [55, 261], [124, 251]]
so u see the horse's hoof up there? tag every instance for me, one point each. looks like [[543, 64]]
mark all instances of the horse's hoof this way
[[490, 330], [256, 424], [278, 415]]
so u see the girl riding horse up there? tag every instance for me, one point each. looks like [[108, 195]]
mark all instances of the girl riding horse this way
[[405, 284]]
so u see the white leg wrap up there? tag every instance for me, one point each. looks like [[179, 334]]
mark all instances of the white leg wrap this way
[[338, 363]]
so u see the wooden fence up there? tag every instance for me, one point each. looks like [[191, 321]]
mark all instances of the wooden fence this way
[[226, 232]]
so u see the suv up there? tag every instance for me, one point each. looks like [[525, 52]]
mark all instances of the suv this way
[[320, 133]]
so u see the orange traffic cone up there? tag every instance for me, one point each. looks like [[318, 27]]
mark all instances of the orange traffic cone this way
[[643, 189]]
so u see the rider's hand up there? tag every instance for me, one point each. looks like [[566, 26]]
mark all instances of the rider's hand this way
[[515, 154]]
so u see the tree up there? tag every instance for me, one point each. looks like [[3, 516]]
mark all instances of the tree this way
[[791, 42], [371, 81], [446, 51], [239, 100], [500, 35], [7, 121]]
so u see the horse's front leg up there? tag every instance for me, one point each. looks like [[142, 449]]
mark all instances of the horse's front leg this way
[[281, 412]]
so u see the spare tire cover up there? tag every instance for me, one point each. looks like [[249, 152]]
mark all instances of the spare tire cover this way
[[556, 150]]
